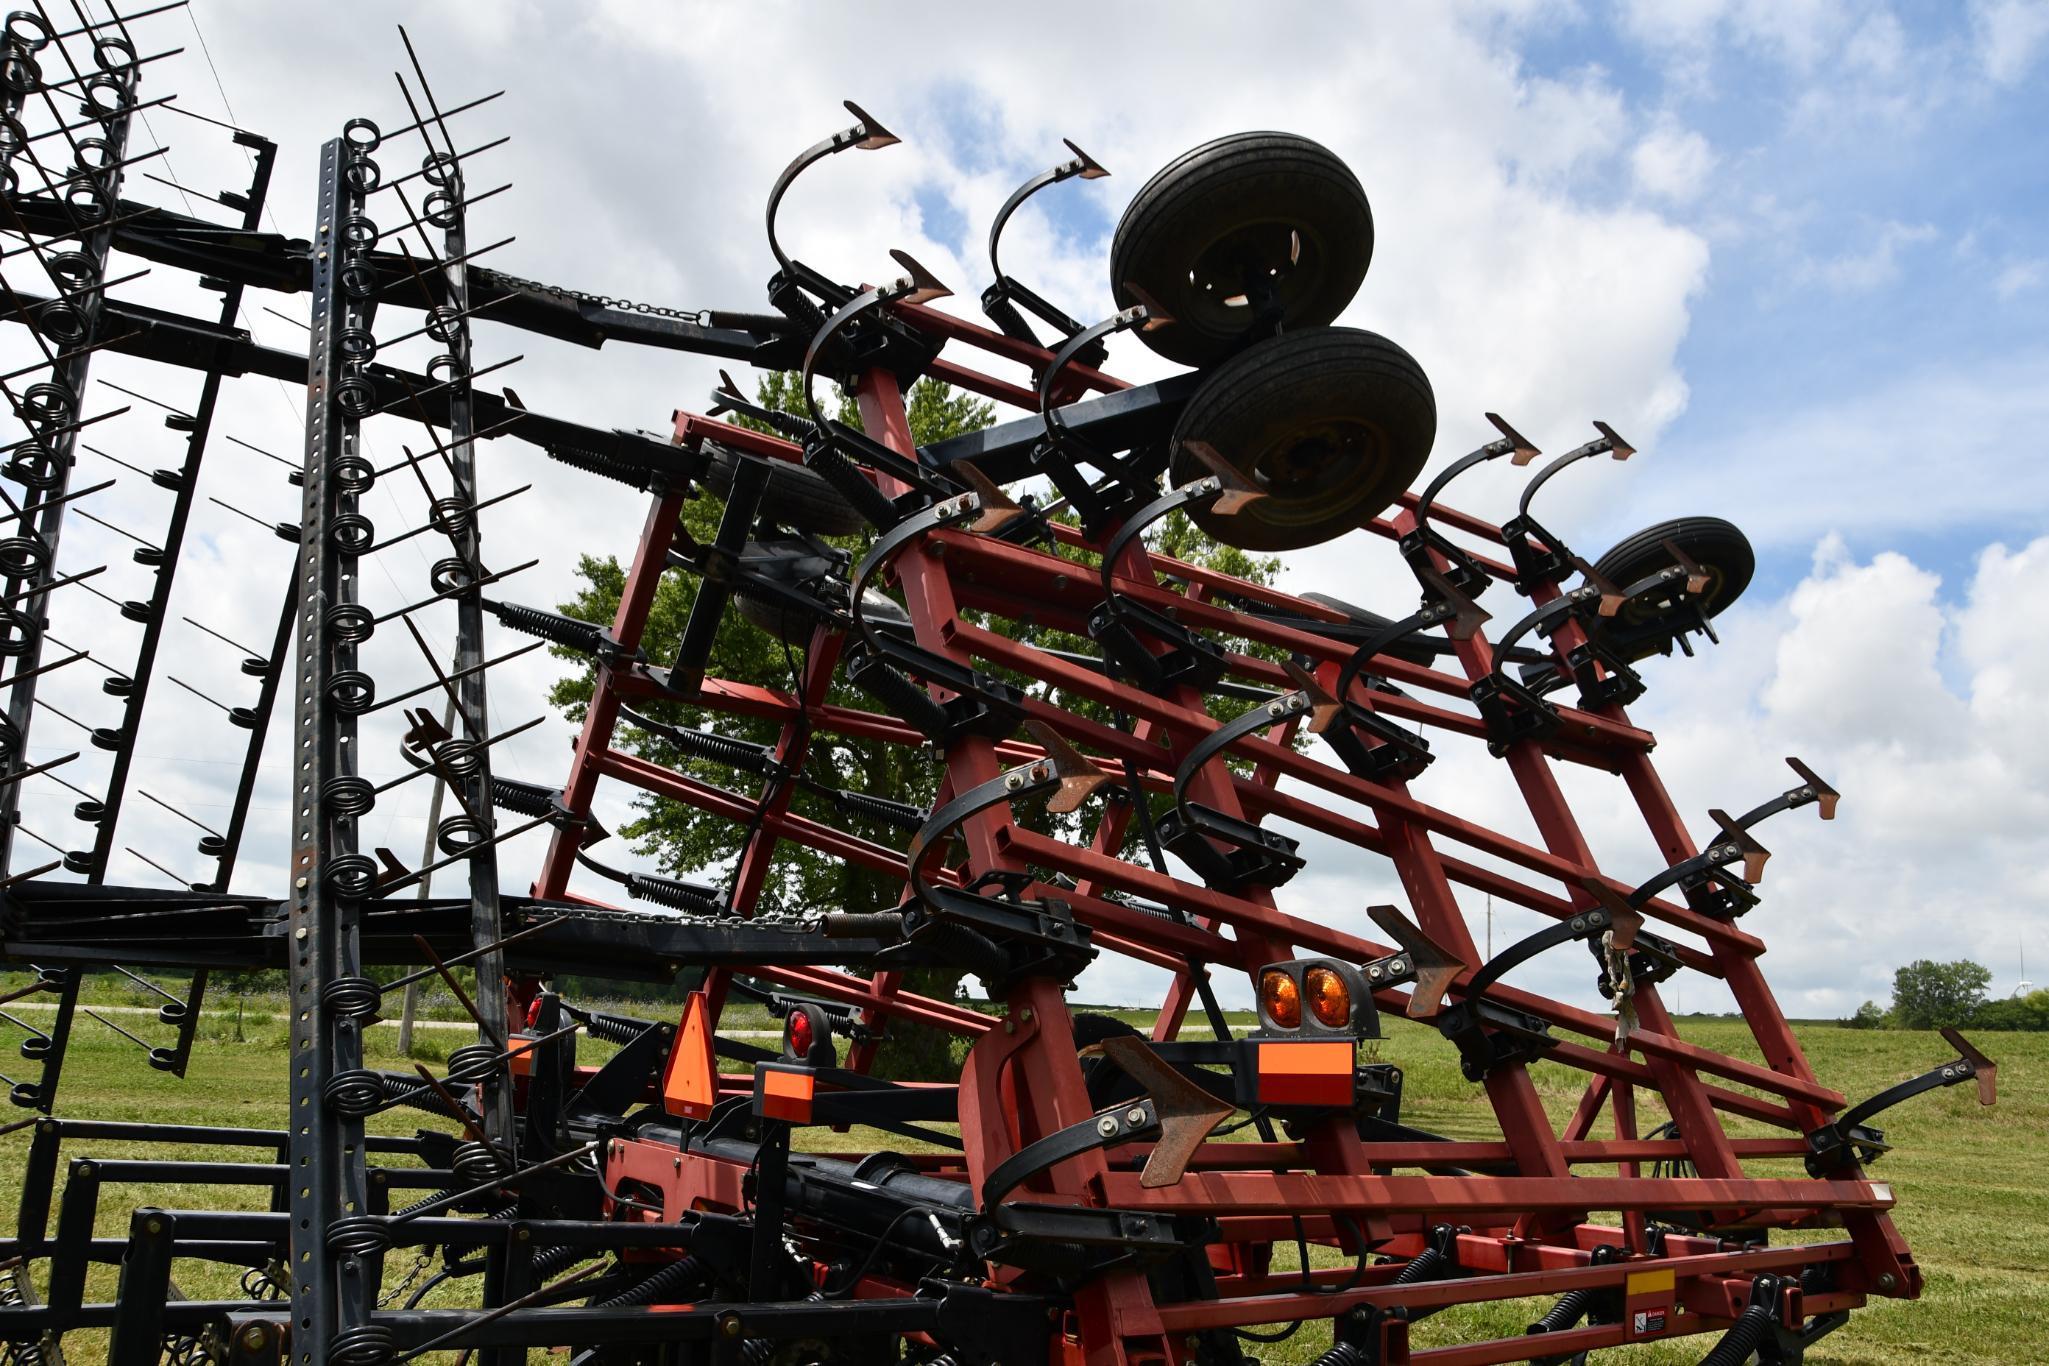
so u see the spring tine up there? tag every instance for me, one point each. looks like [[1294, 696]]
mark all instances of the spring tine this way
[[288, 464], [398, 884], [197, 693], [275, 528], [442, 1202], [89, 659], [157, 402], [143, 1044], [423, 769], [20, 1023], [39, 985], [429, 526], [68, 128], [189, 820], [472, 311], [120, 20], [50, 585], [22, 829], [119, 531], [442, 114], [459, 161], [458, 591], [181, 881], [51, 667], [458, 674], [115, 459], [417, 222], [303, 327], [12, 778], [448, 979], [413, 396], [71, 497], [253, 654], [467, 954], [142, 981]]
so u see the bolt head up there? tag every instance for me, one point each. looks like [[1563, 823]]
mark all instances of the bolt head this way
[[253, 1337], [1135, 1115], [1107, 1126]]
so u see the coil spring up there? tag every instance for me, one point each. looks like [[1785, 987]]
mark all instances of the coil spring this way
[[473, 1063], [355, 1094], [356, 344], [10, 739], [447, 368], [604, 466], [958, 944], [1422, 1267], [18, 633], [350, 623], [550, 1260], [49, 402], [348, 796], [685, 1272], [453, 517], [460, 834], [23, 556], [366, 1344], [1344, 1354], [360, 230], [550, 626], [444, 324], [617, 1029], [898, 815], [73, 271], [351, 876], [351, 691], [1745, 1335], [407, 1091], [358, 1235], [677, 896], [61, 321], [459, 758], [442, 209], [353, 474], [352, 533], [355, 395], [36, 467], [353, 998], [844, 475], [475, 1163], [721, 749], [450, 574], [758, 1351], [900, 695], [362, 136], [522, 798], [1572, 1306], [364, 174]]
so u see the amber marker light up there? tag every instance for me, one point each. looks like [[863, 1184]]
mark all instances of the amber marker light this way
[[1280, 998]]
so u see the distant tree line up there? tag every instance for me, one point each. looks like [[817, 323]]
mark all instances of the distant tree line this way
[[1931, 995]]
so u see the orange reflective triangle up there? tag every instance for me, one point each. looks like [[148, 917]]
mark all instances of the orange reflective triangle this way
[[690, 1083]]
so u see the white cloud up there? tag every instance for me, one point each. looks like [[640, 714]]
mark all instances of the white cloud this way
[[2019, 277], [1877, 263], [1672, 163], [2010, 35]]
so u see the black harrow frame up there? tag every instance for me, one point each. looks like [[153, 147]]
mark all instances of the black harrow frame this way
[[1069, 1196]]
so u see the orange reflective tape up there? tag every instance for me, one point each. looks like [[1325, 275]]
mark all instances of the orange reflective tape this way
[[784, 1093], [690, 1082], [1306, 1073]]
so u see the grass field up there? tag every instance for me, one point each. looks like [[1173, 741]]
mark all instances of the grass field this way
[[1970, 1182]]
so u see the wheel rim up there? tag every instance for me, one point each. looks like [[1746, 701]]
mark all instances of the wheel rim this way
[[1280, 256]]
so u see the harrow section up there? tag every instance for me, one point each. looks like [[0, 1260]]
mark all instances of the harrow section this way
[[1133, 755]]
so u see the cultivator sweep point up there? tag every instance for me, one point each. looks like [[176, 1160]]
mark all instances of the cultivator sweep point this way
[[1132, 754]]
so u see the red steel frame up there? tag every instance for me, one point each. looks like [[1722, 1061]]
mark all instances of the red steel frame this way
[[1022, 1080]]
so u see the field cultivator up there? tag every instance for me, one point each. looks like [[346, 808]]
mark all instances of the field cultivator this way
[[1121, 742]]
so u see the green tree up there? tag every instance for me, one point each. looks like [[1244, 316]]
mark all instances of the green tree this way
[[1868, 1016], [1931, 995], [686, 842], [2014, 1012]]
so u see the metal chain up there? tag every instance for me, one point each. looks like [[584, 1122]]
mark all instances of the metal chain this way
[[420, 1264], [791, 922], [699, 316]]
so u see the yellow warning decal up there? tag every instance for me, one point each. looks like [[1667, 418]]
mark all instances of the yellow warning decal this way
[[1649, 1283]]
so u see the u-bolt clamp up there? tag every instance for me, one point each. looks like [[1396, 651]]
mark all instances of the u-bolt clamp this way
[[1255, 855], [827, 449], [1465, 572], [1002, 300], [1848, 1139], [1540, 556], [1709, 886], [1062, 454], [1123, 626], [867, 135]]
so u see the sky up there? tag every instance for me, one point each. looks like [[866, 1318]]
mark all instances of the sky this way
[[1795, 252]]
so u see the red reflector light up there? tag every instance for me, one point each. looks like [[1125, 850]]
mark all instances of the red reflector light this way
[[801, 1035]]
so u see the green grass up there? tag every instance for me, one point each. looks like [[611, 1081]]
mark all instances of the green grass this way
[[1972, 1200]]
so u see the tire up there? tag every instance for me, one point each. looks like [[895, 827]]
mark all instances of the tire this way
[[796, 497], [1646, 627], [1275, 200], [1331, 425]]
